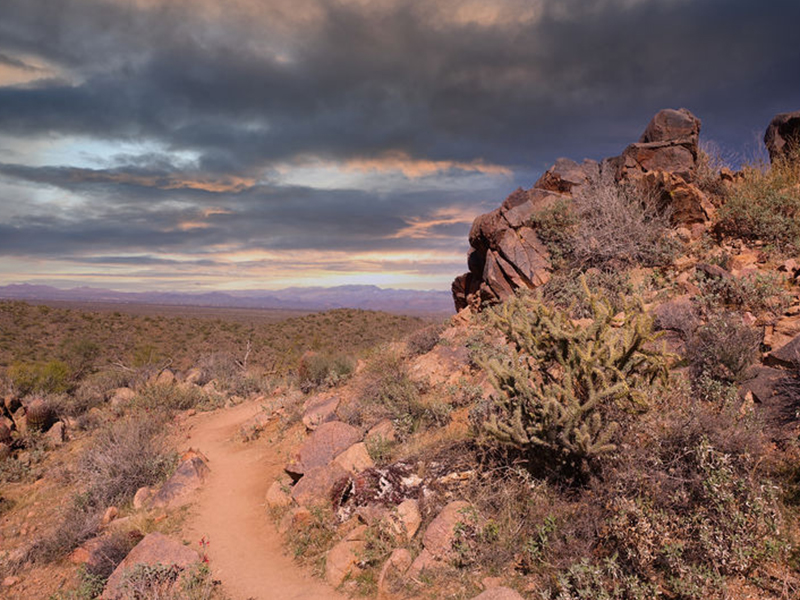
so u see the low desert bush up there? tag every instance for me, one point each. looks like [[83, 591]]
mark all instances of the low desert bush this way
[[169, 397], [620, 225], [324, 370], [562, 387], [53, 377], [765, 206], [229, 374], [388, 391], [722, 349], [423, 341], [555, 227], [168, 582], [759, 293], [130, 454]]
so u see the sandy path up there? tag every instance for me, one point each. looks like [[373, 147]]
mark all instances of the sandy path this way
[[245, 550]]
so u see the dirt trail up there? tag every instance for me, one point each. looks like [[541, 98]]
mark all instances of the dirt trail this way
[[245, 550]]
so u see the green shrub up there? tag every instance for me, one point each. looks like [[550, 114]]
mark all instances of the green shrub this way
[[758, 293], [424, 340], [765, 206], [560, 385], [324, 370], [52, 377], [566, 290], [555, 227], [387, 390]]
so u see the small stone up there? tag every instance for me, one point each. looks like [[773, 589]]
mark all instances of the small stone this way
[[11, 581], [384, 431], [56, 434], [112, 512], [140, 499], [278, 495], [439, 535]]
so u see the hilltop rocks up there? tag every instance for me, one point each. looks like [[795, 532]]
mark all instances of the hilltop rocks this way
[[783, 135], [505, 252]]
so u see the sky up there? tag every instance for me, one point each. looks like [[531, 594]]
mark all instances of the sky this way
[[198, 145]]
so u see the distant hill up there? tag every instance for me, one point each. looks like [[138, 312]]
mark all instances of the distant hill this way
[[368, 297]]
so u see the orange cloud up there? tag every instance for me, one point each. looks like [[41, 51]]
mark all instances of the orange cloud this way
[[419, 228], [415, 168], [228, 183]]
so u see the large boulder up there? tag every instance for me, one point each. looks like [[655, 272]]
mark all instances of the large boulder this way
[[328, 440], [176, 491], [782, 137], [155, 549]]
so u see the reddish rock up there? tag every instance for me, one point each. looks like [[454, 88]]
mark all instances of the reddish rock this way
[[782, 137], [296, 519], [142, 496], [342, 561], [439, 536], [317, 485], [355, 459], [392, 573], [322, 446], [384, 431], [278, 495], [787, 356], [319, 410], [175, 491], [155, 548], [112, 512]]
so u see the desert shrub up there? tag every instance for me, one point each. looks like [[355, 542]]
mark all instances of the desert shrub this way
[[722, 349], [765, 206], [599, 580], [53, 377], [310, 542], [128, 455], [677, 316], [560, 386], [229, 374], [690, 507], [168, 582], [89, 587], [424, 340], [566, 291], [758, 293], [710, 161], [80, 356], [170, 397], [555, 227], [324, 370], [387, 391], [619, 225]]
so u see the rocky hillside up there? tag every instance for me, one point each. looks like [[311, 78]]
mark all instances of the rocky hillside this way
[[612, 414]]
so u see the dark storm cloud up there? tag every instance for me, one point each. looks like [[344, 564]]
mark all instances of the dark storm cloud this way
[[576, 81], [248, 89]]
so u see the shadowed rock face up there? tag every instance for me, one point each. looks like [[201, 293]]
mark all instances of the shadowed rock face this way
[[506, 254], [783, 135]]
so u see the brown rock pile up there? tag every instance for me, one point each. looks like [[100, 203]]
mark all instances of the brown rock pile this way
[[783, 135], [506, 254]]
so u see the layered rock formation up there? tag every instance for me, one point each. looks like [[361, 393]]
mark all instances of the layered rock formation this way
[[506, 254], [783, 135]]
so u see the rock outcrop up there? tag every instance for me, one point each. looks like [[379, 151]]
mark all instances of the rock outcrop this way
[[505, 252], [783, 135]]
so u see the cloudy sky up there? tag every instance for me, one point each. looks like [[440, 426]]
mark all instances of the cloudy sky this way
[[234, 144]]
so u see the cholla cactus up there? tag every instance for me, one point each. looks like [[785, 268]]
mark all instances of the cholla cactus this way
[[39, 415], [560, 379]]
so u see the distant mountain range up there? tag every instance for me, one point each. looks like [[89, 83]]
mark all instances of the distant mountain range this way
[[299, 298]]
